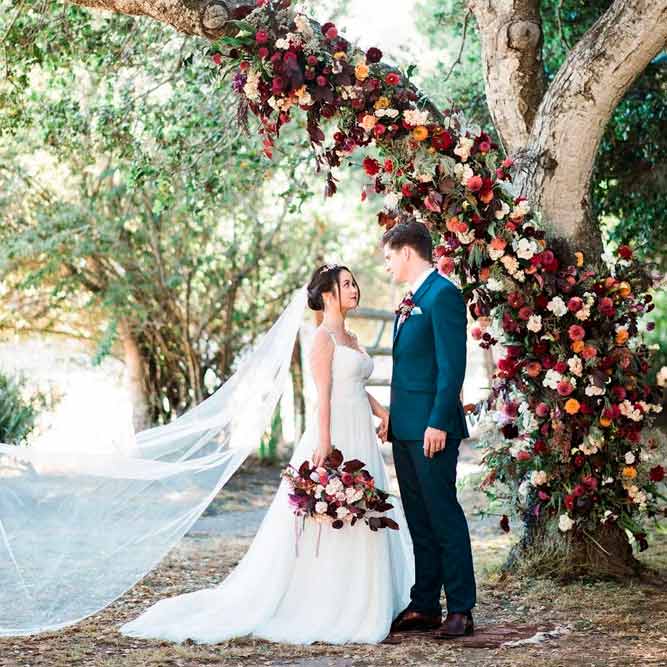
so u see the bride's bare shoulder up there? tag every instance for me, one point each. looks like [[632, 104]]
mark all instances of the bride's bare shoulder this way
[[322, 341]]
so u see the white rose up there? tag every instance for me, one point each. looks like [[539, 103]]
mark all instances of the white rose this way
[[534, 323], [538, 477], [557, 306], [342, 512], [565, 523], [494, 285], [551, 379], [661, 377], [576, 367], [463, 148], [415, 117], [391, 200], [526, 248], [321, 507], [629, 458]]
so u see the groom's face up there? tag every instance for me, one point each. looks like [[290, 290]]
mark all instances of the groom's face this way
[[395, 262]]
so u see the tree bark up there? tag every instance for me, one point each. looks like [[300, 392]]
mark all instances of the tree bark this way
[[134, 377], [575, 111], [511, 35]]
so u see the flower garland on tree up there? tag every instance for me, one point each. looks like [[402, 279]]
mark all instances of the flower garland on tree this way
[[571, 394]]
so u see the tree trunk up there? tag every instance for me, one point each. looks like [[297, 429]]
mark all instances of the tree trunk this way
[[134, 377], [511, 37]]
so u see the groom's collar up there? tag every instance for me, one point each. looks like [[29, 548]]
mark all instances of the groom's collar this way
[[421, 278]]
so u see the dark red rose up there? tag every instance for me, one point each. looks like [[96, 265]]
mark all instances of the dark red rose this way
[[560, 367], [514, 351], [261, 37], [263, 53], [516, 299], [625, 252], [371, 166], [579, 460], [618, 392], [657, 474], [590, 482], [510, 431], [441, 140], [569, 501], [373, 55], [541, 301], [578, 490], [312, 60], [575, 304], [392, 79], [540, 447], [505, 523], [606, 306]]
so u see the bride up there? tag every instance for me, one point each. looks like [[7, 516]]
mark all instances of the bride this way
[[356, 583]]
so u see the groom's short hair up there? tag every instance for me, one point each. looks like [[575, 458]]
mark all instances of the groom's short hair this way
[[413, 234]]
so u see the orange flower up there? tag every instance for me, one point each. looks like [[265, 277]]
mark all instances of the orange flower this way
[[629, 472], [452, 224], [624, 289], [484, 273], [580, 258], [578, 346], [605, 421], [382, 103], [622, 336], [419, 133], [361, 71], [497, 243], [572, 406]]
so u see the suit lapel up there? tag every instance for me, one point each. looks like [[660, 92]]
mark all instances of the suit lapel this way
[[423, 288]]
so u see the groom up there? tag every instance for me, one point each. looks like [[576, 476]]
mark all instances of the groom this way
[[426, 426]]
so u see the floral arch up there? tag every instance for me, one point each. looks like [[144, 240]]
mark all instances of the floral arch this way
[[566, 438]]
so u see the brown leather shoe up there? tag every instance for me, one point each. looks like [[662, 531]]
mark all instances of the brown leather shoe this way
[[456, 625], [415, 621]]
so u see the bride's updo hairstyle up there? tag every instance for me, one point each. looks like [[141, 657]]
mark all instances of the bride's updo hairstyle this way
[[326, 279]]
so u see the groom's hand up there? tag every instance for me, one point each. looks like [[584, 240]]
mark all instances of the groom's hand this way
[[434, 441]]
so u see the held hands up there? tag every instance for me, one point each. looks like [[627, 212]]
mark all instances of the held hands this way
[[434, 441], [321, 454], [383, 427]]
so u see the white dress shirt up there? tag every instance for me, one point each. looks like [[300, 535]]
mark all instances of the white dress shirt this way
[[420, 280]]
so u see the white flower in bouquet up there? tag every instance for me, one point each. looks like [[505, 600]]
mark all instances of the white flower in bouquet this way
[[557, 306], [534, 323], [321, 507], [520, 210], [415, 117], [342, 512], [594, 390], [502, 211], [495, 253], [630, 458], [463, 148], [526, 248], [538, 477], [340, 496], [576, 366], [608, 516], [495, 285], [661, 377], [628, 410], [319, 489], [565, 523], [551, 379]]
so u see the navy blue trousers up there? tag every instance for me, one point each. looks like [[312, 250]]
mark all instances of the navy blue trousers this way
[[439, 530]]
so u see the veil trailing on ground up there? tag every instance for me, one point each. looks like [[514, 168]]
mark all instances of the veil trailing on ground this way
[[78, 528]]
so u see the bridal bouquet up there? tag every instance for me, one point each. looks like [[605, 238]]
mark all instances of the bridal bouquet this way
[[338, 493]]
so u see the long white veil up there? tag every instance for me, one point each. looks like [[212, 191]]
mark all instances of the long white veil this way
[[78, 529]]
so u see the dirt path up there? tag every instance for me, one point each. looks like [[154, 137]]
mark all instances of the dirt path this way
[[593, 624]]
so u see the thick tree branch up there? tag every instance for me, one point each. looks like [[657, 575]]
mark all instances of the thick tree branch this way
[[511, 35], [572, 117]]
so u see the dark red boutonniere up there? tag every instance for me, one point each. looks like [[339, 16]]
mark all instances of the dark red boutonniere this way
[[405, 308]]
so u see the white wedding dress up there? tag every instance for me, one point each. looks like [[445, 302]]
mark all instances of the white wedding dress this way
[[348, 593]]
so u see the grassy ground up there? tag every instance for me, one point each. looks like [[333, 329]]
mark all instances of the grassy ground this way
[[603, 623]]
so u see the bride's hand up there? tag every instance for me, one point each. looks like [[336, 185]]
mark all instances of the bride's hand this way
[[321, 454], [383, 427]]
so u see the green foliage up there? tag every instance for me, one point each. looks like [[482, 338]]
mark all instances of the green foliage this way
[[129, 197], [17, 414]]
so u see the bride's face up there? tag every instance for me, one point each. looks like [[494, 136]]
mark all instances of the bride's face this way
[[349, 293]]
